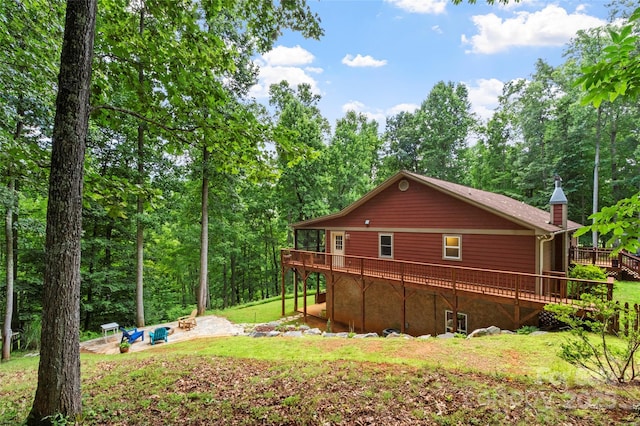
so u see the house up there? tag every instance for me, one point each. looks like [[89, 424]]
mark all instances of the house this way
[[427, 256]]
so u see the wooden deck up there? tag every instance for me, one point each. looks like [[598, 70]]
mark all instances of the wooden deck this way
[[623, 265], [527, 290]]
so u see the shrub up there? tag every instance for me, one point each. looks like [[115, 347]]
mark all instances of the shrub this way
[[584, 272], [527, 329], [588, 272]]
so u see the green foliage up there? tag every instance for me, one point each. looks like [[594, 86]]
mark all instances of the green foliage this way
[[587, 272], [620, 223], [526, 329], [618, 73], [596, 345]]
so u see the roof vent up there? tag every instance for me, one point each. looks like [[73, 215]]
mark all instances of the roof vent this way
[[403, 185]]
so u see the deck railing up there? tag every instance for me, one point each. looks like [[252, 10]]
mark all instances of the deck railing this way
[[531, 287], [604, 257]]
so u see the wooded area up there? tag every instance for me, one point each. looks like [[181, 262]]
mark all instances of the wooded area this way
[[189, 185]]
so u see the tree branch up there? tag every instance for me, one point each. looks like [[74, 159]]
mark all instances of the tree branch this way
[[145, 119]]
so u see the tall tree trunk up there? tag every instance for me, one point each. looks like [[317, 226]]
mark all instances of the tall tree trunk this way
[[6, 329], [596, 166], [225, 290], [614, 157], [204, 235], [58, 389], [140, 236], [140, 207], [235, 291], [11, 239]]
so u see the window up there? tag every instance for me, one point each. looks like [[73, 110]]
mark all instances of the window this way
[[448, 322], [338, 242], [452, 247], [386, 245]]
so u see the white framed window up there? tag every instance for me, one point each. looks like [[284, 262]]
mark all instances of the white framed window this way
[[339, 242], [385, 245], [448, 322], [452, 247]]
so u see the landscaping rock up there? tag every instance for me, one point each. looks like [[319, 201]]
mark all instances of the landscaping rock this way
[[446, 336], [508, 332], [424, 337], [365, 336], [296, 333], [313, 331], [479, 332], [538, 333], [273, 333], [343, 334], [304, 327], [257, 334], [493, 330]]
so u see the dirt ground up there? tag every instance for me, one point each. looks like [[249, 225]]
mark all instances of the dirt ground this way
[[207, 326]]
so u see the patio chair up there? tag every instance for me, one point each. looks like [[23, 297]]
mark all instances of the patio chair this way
[[131, 335], [159, 334], [188, 321]]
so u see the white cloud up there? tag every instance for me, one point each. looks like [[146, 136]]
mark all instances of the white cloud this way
[[420, 6], [288, 56], [397, 109], [285, 63], [436, 29], [363, 61], [377, 114], [483, 95], [551, 26]]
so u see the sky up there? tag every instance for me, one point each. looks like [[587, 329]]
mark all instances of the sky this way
[[381, 57]]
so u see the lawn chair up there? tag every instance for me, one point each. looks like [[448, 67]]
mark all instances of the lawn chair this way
[[189, 321], [159, 334], [131, 335]]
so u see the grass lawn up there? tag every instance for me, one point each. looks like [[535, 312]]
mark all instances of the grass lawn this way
[[506, 379], [627, 291], [312, 380], [262, 311]]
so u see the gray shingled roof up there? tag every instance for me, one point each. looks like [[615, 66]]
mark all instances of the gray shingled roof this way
[[501, 205]]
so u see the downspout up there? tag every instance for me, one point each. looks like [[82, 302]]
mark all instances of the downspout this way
[[542, 239]]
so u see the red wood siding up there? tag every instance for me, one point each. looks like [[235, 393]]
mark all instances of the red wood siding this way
[[419, 207], [557, 210], [503, 252]]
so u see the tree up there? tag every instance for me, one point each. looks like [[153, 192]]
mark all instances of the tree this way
[[352, 158], [401, 145], [610, 356], [616, 75], [443, 122], [29, 34], [58, 388], [300, 134]]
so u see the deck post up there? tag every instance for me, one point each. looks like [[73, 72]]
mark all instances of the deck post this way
[[404, 300], [455, 302], [516, 307], [304, 295], [362, 290], [283, 274], [404, 308], [295, 290]]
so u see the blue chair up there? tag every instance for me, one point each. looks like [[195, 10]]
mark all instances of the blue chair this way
[[159, 334], [131, 335]]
